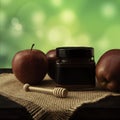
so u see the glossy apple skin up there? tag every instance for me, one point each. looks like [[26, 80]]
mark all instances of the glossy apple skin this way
[[108, 70], [51, 57], [30, 66]]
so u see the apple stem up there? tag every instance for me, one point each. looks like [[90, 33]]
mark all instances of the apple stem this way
[[32, 46]]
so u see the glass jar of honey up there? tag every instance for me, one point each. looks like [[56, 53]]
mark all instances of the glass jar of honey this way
[[75, 66]]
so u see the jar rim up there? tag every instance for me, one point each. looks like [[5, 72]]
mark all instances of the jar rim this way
[[75, 52]]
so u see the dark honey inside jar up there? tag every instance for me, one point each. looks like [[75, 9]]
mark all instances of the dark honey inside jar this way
[[75, 66]]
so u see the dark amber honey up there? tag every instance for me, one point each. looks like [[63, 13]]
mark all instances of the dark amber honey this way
[[75, 66]]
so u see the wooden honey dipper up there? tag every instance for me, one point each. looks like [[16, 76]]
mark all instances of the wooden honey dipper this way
[[57, 91]]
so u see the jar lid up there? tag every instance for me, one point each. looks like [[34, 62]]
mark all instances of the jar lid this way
[[74, 52]]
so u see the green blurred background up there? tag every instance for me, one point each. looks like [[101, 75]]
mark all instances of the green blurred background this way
[[53, 23]]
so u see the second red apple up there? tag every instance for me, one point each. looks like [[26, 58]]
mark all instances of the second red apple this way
[[51, 57]]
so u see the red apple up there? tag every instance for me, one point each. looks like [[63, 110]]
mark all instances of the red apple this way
[[30, 66], [51, 57], [108, 70]]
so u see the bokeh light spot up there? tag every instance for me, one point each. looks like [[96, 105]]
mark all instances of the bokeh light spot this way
[[38, 18], [56, 2], [58, 35], [16, 28], [108, 10], [67, 16], [5, 2]]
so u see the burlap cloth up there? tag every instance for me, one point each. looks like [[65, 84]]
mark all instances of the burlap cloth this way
[[44, 106]]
